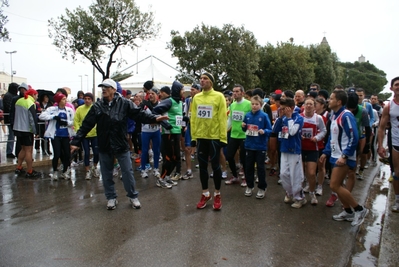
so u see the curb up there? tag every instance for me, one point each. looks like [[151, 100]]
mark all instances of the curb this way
[[10, 167], [389, 246]]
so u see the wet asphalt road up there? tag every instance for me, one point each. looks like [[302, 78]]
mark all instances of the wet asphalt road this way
[[66, 223]]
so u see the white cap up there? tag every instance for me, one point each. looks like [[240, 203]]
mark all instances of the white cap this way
[[108, 83]]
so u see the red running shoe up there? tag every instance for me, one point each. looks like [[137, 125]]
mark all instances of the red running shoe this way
[[203, 201], [331, 201], [217, 203]]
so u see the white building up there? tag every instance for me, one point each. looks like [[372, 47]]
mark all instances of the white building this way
[[5, 80]]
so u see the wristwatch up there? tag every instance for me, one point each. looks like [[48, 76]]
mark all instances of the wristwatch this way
[[344, 156]]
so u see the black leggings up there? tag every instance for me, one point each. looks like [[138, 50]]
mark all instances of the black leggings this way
[[61, 150], [209, 150], [170, 153], [232, 147], [136, 140]]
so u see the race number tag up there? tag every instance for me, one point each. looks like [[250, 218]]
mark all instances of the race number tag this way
[[284, 132], [179, 121], [204, 112], [237, 116], [307, 133], [252, 130], [332, 144]]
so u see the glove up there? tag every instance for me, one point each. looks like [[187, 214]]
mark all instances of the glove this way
[[166, 125], [193, 143], [57, 118], [366, 148], [63, 123], [222, 144]]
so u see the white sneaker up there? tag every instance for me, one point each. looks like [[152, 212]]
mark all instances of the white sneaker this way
[[299, 203], [135, 203], [248, 191], [156, 173], [344, 216], [88, 175], [67, 174], [55, 175], [319, 191], [288, 199], [306, 189], [224, 175], [170, 181], [359, 217], [176, 177], [395, 208], [243, 182], [95, 172], [313, 199], [74, 164], [144, 174], [115, 172], [111, 205], [261, 193], [187, 175]]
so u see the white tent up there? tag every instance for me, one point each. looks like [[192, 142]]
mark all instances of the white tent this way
[[150, 68]]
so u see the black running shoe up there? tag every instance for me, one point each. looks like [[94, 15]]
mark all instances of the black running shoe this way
[[33, 174], [19, 171]]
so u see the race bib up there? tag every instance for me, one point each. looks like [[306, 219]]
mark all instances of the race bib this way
[[179, 121], [252, 130], [237, 116], [284, 133], [307, 133], [204, 112]]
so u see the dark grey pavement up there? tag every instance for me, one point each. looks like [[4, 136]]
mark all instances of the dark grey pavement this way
[[65, 223]]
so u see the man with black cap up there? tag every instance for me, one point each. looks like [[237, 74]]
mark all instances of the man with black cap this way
[[209, 132], [12, 92], [22, 88], [147, 86], [364, 130], [172, 106], [111, 114]]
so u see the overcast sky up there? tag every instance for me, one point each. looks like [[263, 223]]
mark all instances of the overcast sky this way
[[352, 28]]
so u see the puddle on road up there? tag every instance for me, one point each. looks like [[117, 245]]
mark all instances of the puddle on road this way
[[368, 239]]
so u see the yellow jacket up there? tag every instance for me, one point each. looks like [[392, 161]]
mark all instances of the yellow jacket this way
[[209, 116], [80, 115]]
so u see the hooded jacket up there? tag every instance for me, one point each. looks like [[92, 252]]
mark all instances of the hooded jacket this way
[[12, 91], [172, 106], [111, 119]]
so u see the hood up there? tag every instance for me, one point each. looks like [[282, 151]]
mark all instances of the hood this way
[[13, 88], [176, 88]]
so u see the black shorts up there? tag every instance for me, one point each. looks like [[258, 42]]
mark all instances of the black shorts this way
[[26, 140], [310, 156]]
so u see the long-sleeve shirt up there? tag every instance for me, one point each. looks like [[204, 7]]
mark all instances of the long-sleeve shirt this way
[[208, 116], [344, 136]]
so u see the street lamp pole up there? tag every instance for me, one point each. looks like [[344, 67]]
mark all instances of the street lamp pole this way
[[81, 82], [87, 81], [12, 72]]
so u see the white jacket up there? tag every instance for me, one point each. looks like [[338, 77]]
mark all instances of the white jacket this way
[[48, 115]]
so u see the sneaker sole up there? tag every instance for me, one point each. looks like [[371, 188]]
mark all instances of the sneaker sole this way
[[260, 197], [167, 187], [201, 207], [217, 209], [342, 219]]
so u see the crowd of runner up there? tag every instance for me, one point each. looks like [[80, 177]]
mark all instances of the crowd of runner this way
[[245, 136]]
